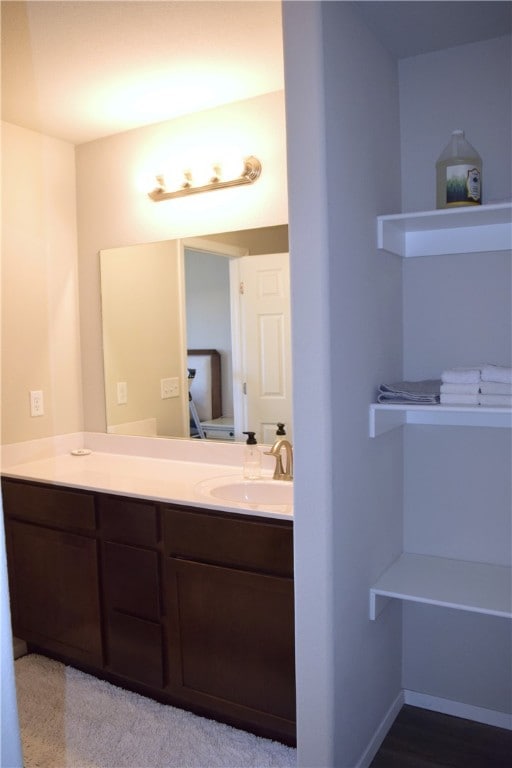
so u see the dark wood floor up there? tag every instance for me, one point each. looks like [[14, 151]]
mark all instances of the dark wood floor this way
[[423, 739]]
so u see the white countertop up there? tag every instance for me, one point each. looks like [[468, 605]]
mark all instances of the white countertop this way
[[160, 479]]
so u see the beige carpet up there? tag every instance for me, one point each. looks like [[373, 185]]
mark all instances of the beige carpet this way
[[71, 720]]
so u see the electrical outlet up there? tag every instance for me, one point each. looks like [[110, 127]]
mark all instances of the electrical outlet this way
[[169, 388], [122, 392], [36, 403]]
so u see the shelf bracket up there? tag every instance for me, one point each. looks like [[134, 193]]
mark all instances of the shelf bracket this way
[[377, 604], [386, 420]]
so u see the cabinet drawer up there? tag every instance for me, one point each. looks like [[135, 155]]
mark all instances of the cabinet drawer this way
[[135, 649], [252, 543], [131, 580], [49, 505], [127, 520]]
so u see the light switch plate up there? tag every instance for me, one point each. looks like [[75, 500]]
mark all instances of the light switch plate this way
[[169, 388]]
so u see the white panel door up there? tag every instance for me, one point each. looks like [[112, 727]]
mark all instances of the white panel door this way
[[266, 343]]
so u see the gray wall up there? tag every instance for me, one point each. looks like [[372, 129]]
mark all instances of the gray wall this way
[[457, 311], [309, 274], [363, 180], [465, 87], [344, 170], [345, 153]]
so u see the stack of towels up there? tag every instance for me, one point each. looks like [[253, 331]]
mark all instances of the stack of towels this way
[[489, 385], [420, 392], [496, 386]]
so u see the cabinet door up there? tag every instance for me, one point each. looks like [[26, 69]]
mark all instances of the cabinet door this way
[[53, 579], [231, 643]]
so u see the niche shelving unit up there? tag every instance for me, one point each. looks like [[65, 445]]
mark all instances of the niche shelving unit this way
[[470, 586], [450, 230], [384, 417]]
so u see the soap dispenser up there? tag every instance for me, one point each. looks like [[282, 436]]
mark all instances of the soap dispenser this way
[[252, 458]]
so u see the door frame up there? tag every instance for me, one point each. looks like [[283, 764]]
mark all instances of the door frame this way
[[233, 253]]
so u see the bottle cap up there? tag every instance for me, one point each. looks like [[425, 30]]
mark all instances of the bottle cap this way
[[251, 440]]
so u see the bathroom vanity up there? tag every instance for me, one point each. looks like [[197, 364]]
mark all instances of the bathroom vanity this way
[[191, 605]]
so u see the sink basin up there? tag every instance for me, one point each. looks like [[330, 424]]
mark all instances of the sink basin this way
[[265, 492]]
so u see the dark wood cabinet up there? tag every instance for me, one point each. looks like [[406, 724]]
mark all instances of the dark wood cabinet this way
[[231, 617], [53, 573], [193, 607]]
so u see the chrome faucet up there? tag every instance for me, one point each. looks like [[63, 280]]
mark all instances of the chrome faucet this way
[[275, 451]]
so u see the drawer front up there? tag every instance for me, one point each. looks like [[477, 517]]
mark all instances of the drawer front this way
[[126, 520], [49, 505], [131, 580], [135, 649], [254, 543]]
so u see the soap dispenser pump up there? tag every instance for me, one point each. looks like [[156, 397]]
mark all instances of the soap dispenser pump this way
[[252, 458]]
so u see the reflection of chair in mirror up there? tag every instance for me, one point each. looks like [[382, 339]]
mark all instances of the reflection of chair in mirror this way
[[205, 396], [196, 428]]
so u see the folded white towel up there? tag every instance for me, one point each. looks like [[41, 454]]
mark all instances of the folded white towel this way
[[460, 389], [497, 373], [461, 376], [459, 399], [494, 388], [499, 401]]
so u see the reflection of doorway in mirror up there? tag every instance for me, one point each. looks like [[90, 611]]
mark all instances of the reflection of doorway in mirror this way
[[262, 346], [239, 305], [208, 317], [208, 324]]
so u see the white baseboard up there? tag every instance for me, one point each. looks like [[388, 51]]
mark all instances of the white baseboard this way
[[458, 709], [381, 732]]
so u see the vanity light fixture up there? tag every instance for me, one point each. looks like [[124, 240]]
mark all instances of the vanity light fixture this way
[[250, 171]]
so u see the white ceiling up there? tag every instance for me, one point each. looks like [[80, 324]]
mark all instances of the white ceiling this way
[[86, 69], [80, 70]]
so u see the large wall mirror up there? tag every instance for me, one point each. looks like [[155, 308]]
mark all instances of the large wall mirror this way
[[196, 336]]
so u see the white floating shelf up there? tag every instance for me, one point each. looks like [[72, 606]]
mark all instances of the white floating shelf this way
[[383, 417], [466, 586], [459, 230]]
